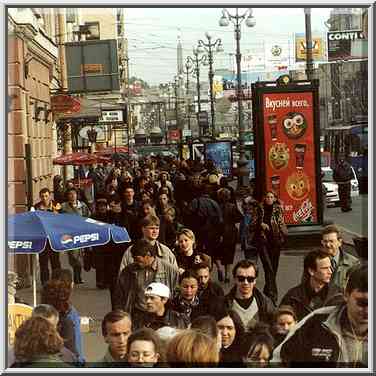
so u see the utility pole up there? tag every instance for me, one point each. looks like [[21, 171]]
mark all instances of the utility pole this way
[[67, 131], [308, 35]]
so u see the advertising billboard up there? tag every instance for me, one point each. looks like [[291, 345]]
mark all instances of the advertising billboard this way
[[93, 66], [345, 45], [288, 149], [221, 154], [318, 48]]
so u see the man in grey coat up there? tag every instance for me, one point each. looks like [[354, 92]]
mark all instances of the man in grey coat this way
[[134, 278], [341, 260]]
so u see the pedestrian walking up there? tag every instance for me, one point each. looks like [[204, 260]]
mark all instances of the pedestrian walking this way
[[145, 349], [58, 293], [46, 203], [38, 344], [258, 347], [135, 277], [231, 328], [247, 228], [116, 329], [159, 312], [335, 336], [191, 348], [271, 235], [245, 299], [341, 261], [230, 235], [316, 291], [75, 206], [342, 175]]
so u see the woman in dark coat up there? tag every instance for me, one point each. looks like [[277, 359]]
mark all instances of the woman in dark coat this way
[[231, 328], [231, 216], [271, 232]]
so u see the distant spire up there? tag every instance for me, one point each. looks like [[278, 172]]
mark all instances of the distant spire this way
[[179, 54]]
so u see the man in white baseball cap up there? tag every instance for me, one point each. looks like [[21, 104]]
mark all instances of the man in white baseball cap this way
[[158, 314]]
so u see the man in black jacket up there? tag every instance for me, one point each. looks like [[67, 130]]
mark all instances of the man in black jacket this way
[[208, 291], [245, 299], [342, 175], [158, 314], [315, 291]]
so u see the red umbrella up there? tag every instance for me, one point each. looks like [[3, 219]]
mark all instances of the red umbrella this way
[[80, 158]]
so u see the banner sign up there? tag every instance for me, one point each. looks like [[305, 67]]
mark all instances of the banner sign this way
[[221, 154], [301, 48], [340, 45], [289, 152]]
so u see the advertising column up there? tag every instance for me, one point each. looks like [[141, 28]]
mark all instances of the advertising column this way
[[288, 152]]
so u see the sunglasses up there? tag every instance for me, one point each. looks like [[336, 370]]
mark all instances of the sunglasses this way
[[241, 278]]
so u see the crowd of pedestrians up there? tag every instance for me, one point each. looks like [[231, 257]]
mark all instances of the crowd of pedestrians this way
[[166, 310]]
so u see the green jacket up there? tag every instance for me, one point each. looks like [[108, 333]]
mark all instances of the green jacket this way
[[43, 361], [345, 263]]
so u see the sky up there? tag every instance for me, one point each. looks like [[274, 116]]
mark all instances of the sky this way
[[153, 32]]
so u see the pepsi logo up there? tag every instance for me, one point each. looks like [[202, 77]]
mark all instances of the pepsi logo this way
[[65, 239]]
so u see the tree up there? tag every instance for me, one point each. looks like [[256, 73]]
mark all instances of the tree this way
[[144, 84]]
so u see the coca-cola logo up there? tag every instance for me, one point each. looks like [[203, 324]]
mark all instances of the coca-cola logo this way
[[304, 212]]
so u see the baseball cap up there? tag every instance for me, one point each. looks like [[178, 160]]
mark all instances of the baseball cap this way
[[159, 289]]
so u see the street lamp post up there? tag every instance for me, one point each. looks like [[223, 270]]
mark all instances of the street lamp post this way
[[196, 61], [188, 70], [210, 47], [243, 170]]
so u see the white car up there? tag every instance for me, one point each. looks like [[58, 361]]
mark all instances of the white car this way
[[331, 187]]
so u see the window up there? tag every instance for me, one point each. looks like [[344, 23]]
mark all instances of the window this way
[[93, 30]]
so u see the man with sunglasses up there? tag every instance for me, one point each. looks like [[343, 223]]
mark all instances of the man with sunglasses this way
[[335, 336], [245, 299]]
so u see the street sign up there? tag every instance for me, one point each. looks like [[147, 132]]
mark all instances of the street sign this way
[[112, 116], [203, 120], [64, 104], [187, 133]]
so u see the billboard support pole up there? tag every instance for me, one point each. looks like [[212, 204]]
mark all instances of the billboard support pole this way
[[308, 35]]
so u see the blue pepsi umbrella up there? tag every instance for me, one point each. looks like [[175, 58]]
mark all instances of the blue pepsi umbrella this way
[[29, 232]]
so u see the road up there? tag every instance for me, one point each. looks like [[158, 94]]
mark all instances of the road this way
[[356, 221]]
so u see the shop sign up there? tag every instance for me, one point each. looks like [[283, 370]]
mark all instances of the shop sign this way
[[65, 104], [114, 116]]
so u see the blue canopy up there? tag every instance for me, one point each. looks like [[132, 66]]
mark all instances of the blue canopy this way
[[28, 232]]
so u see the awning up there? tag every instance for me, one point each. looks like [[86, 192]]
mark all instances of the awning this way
[[89, 110]]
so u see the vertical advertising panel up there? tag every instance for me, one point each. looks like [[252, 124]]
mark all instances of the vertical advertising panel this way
[[290, 153], [221, 154]]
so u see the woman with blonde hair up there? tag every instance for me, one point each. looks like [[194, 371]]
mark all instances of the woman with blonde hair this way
[[185, 251], [192, 348], [38, 344]]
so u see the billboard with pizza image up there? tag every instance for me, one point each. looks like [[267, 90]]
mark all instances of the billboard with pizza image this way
[[290, 152]]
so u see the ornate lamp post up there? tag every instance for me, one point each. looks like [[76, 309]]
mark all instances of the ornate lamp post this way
[[189, 68], [196, 61], [210, 47], [237, 19]]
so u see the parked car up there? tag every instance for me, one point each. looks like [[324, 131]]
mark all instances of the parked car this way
[[331, 187]]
